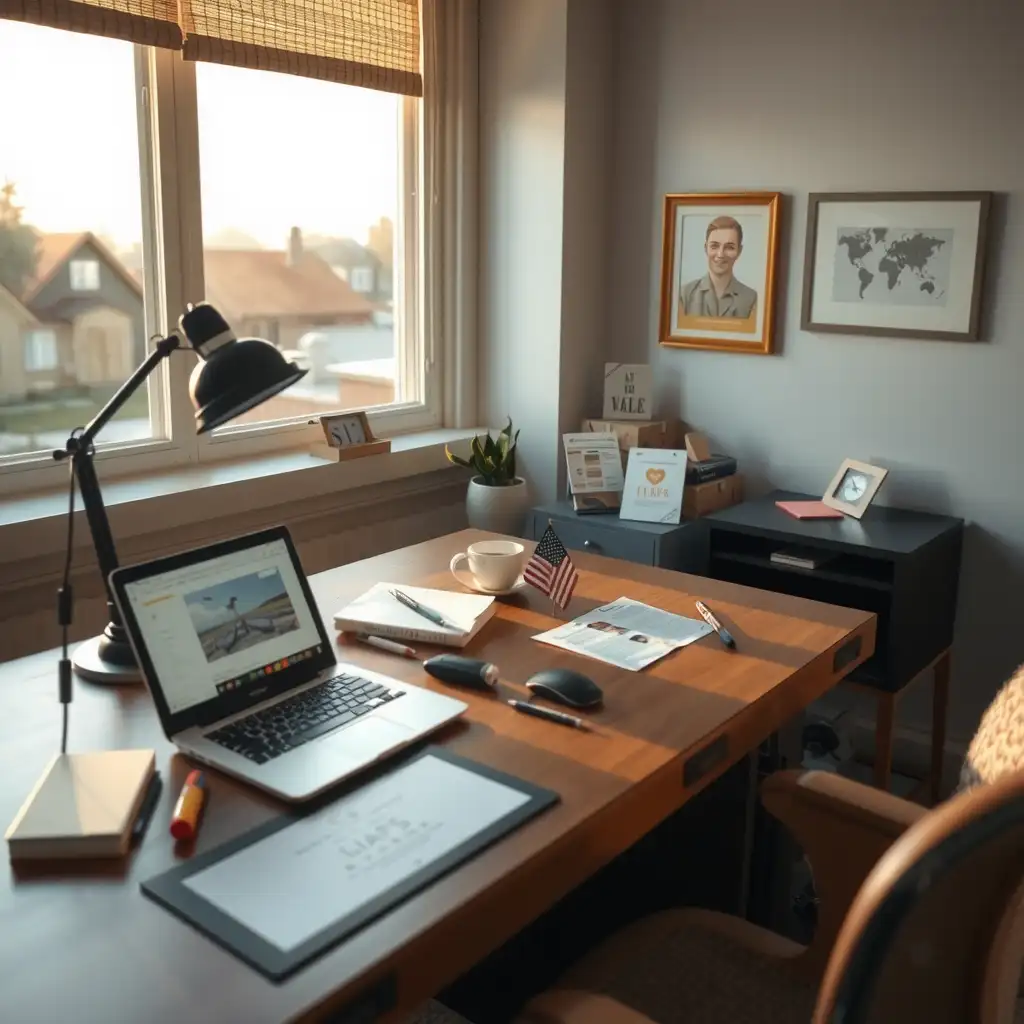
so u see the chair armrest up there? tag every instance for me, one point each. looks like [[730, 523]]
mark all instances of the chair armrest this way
[[843, 827], [570, 1006]]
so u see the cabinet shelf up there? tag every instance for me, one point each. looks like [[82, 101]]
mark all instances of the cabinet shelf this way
[[842, 569]]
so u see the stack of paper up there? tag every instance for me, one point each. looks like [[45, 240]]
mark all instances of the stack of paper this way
[[380, 613]]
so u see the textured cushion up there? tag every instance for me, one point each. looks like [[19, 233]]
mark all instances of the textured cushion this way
[[998, 745], [674, 970]]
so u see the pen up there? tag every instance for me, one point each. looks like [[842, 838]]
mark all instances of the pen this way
[[189, 808], [422, 609], [541, 712], [723, 634], [387, 645]]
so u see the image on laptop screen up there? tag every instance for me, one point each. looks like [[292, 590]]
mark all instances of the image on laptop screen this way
[[224, 625]]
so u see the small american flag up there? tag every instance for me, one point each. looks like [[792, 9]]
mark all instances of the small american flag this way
[[550, 569]]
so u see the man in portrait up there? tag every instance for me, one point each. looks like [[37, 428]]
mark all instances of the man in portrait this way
[[718, 293]]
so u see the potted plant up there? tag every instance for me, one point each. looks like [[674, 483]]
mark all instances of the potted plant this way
[[497, 499]]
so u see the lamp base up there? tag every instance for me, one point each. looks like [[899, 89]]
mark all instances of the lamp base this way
[[89, 662]]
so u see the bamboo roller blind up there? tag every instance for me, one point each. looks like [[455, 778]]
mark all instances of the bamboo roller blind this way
[[369, 43]]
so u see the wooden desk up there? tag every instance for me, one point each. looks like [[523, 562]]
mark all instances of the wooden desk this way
[[86, 941]]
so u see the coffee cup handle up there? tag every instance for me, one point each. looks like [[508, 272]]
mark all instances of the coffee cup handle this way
[[457, 560]]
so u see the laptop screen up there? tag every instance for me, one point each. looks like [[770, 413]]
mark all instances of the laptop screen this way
[[222, 626]]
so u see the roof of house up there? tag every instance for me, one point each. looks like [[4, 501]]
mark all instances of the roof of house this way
[[9, 299], [54, 250], [261, 283]]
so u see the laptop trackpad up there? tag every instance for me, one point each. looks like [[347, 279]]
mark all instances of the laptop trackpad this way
[[368, 739]]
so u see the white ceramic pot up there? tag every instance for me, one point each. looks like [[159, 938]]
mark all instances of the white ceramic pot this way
[[499, 509]]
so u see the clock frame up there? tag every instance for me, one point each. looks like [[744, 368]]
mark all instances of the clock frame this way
[[842, 499]]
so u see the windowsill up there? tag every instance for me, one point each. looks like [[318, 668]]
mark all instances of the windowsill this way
[[31, 524]]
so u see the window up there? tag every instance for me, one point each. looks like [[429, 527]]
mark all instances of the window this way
[[40, 350], [361, 279], [78, 177], [85, 275], [326, 173], [251, 189]]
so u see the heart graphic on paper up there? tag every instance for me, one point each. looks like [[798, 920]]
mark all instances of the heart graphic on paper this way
[[655, 476]]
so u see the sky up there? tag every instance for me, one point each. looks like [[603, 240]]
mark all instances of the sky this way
[[251, 590], [275, 151]]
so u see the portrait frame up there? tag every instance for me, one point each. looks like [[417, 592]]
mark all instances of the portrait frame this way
[[828, 304], [683, 249], [875, 474]]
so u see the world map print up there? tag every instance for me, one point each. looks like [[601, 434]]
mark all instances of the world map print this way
[[892, 266]]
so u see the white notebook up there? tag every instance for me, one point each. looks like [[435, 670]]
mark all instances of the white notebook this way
[[379, 613]]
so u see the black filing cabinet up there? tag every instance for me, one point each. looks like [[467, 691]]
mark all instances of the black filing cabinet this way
[[681, 546], [900, 564]]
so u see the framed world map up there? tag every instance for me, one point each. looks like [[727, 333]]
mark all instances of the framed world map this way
[[897, 264]]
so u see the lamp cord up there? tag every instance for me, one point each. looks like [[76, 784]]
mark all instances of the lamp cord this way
[[64, 605]]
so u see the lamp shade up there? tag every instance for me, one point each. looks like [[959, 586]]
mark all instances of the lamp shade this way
[[233, 374]]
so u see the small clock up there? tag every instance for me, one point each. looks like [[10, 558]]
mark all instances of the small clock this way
[[853, 487], [348, 436]]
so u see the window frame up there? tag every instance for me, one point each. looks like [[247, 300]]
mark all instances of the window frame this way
[[29, 341], [88, 269], [172, 245]]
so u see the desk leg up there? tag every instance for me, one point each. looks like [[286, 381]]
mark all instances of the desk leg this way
[[885, 726], [940, 708]]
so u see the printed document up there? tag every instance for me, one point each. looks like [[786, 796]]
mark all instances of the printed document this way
[[298, 881], [593, 462], [626, 633]]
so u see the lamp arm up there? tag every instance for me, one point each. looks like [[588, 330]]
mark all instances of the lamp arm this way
[[80, 450], [163, 348]]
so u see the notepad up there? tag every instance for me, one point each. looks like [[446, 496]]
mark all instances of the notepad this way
[[809, 510], [379, 613], [84, 805]]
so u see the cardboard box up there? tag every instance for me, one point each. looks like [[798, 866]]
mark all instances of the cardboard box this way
[[635, 434], [703, 499]]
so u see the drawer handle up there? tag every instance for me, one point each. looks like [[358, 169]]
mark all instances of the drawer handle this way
[[592, 545]]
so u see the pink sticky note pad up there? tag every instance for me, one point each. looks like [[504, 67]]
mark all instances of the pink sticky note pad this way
[[809, 510]]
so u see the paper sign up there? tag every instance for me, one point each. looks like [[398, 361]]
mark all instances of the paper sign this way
[[593, 462], [653, 491], [627, 391]]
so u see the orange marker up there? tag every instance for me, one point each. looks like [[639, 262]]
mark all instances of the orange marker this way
[[189, 808]]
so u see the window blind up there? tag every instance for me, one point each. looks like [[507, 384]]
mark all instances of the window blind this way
[[370, 43], [148, 22]]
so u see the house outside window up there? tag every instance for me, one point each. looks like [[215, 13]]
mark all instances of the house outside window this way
[[361, 280], [40, 350], [85, 275]]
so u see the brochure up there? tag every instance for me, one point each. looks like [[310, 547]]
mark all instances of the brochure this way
[[653, 491], [593, 462], [626, 633]]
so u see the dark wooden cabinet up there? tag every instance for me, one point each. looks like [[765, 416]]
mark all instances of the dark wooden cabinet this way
[[902, 565], [670, 546]]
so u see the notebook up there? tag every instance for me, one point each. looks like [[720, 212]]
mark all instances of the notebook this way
[[809, 510], [379, 613], [84, 805]]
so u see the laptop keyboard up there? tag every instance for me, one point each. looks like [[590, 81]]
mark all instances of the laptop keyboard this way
[[275, 730]]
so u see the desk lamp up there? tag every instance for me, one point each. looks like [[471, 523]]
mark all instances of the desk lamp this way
[[231, 376]]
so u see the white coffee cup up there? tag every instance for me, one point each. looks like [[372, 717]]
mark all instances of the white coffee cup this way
[[495, 564]]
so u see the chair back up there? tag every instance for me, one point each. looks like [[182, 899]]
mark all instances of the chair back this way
[[936, 933]]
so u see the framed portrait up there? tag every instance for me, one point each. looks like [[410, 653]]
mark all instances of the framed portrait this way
[[854, 487], [895, 264], [718, 271]]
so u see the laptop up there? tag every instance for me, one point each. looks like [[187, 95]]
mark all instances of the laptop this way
[[244, 675]]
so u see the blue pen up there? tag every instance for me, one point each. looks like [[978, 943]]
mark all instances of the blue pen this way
[[723, 634]]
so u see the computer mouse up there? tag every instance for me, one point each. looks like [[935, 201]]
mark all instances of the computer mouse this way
[[566, 687]]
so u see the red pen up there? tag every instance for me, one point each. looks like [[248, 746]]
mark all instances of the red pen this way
[[189, 808]]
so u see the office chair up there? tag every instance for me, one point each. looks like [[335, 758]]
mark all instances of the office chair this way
[[921, 914]]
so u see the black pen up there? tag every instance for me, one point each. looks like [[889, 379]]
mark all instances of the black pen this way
[[541, 712], [422, 609], [723, 634]]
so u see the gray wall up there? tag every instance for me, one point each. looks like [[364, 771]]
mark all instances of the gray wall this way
[[799, 97], [545, 81]]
